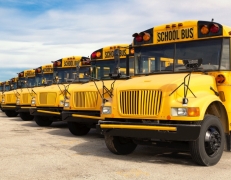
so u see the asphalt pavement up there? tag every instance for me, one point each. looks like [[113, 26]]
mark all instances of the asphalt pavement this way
[[28, 151]]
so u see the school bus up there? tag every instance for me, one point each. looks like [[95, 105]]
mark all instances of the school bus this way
[[1, 93], [82, 109], [1, 89], [48, 103], [9, 97], [42, 80], [184, 102], [5, 86], [22, 85]]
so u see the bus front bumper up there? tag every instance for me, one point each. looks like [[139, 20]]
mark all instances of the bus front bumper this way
[[172, 132], [81, 116], [5, 107], [35, 111], [23, 108]]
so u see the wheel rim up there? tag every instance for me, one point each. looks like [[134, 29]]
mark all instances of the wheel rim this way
[[212, 141]]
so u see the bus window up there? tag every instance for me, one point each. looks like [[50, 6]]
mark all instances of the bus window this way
[[208, 51], [154, 59], [225, 63]]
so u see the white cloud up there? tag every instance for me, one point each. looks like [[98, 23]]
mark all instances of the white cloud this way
[[29, 40]]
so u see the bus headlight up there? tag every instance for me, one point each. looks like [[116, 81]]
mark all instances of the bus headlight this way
[[18, 101], [106, 110], [179, 112], [61, 103], [3, 100], [189, 111], [33, 101], [66, 104]]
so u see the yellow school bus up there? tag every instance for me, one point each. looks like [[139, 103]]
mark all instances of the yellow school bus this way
[[82, 109], [9, 97], [185, 101], [43, 78], [1, 89], [48, 103]]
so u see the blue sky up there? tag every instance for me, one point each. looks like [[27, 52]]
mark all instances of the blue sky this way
[[36, 32]]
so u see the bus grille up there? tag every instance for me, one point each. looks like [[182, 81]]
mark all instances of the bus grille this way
[[140, 102], [86, 99], [46, 98], [26, 98], [10, 98]]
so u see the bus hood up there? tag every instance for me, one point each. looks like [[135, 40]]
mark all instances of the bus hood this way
[[167, 83]]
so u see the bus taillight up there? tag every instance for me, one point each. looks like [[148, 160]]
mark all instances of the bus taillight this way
[[214, 28], [95, 55], [20, 74], [57, 63], [204, 29], [143, 36], [137, 37], [132, 51], [146, 36], [38, 70]]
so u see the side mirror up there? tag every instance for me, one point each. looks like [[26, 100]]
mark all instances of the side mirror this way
[[116, 74], [44, 81], [192, 63], [56, 79]]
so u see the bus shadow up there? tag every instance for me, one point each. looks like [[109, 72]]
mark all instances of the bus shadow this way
[[93, 146], [54, 125], [60, 132]]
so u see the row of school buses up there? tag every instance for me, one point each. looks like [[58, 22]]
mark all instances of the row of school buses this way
[[170, 87]]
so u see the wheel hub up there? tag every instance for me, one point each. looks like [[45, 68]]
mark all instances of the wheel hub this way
[[212, 141]]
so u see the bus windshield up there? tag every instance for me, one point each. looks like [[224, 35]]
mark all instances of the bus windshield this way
[[70, 75], [167, 58], [102, 68], [45, 79], [14, 85], [27, 82], [7, 87]]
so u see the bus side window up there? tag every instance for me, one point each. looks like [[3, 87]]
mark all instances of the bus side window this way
[[225, 63]]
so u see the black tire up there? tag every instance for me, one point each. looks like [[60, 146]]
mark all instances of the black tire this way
[[2, 110], [119, 145], [25, 116], [42, 120], [11, 113], [78, 129], [208, 148]]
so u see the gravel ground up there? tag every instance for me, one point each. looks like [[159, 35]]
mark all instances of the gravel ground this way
[[28, 151]]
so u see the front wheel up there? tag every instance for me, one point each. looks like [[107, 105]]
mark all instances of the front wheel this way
[[208, 148], [11, 113], [42, 120], [25, 116], [119, 145], [78, 129]]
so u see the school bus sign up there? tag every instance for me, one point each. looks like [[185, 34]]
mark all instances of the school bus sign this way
[[174, 35]]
